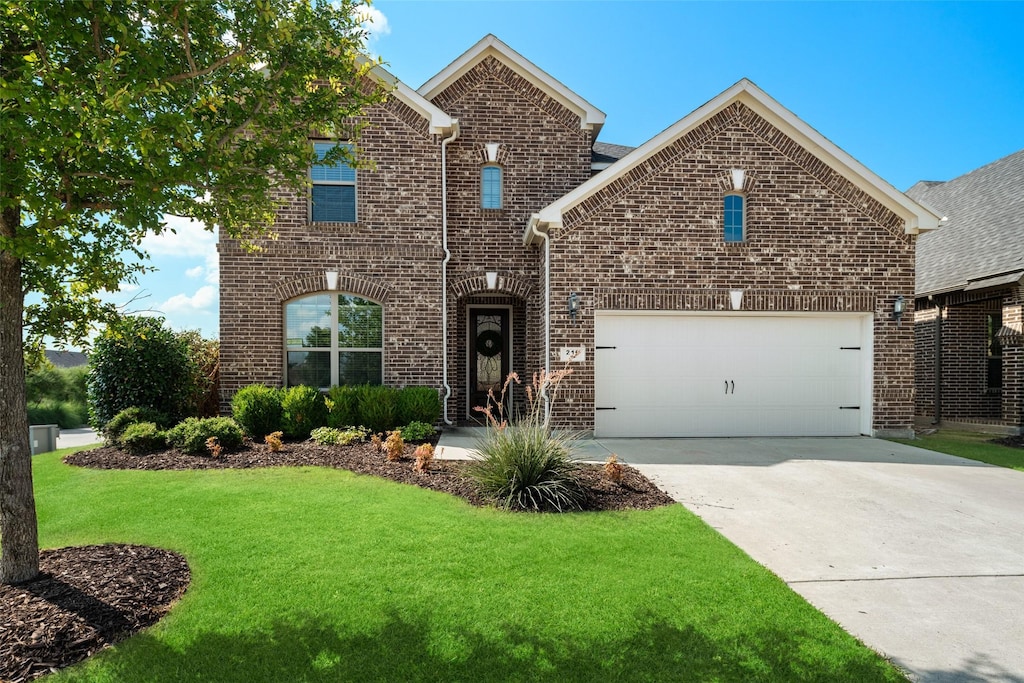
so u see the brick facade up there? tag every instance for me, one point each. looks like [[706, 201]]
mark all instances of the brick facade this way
[[650, 240]]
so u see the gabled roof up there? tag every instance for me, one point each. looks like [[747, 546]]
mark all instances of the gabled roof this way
[[490, 46], [440, 122], [981, 244], [916, 218]]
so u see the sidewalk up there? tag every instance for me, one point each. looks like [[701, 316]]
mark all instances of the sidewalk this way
[[80, 436]]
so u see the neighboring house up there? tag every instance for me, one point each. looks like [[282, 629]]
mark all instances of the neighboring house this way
[[970, 293], [66, 359], [735, 275]]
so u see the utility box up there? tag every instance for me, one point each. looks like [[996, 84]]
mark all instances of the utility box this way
[[43, 438]]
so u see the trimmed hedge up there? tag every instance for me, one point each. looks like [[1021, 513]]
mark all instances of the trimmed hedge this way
[[304, 410], [190, 435], [258, 409]]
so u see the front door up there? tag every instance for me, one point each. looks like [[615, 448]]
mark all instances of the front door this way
[[488, 355]]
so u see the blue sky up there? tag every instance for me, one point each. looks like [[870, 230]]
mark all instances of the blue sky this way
[[914, 90]]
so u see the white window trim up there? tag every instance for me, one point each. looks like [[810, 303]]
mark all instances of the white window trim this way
[[501, 187], [743, 217], [333, 349], [353, 183]]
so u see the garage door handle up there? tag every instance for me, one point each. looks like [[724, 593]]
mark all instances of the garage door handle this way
[[849, 407], [604, 347], [600, 408]]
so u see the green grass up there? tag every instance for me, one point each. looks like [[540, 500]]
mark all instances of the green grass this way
[[973, 445], [310, 574]]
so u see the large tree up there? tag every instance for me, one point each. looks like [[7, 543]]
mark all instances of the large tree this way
[[118, 112]]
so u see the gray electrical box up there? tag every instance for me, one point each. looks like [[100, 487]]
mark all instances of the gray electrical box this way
[[43, 438]]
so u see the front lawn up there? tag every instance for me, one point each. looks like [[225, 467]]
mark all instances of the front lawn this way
[[313, 574], [972, 445]]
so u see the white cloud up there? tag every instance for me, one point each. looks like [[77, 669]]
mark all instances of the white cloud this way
[[194, 272], [213, 268], [375, 23], [190, 238], [204, 298]]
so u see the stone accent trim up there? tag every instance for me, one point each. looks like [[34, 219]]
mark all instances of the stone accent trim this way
[[508, 283], [348, 284]]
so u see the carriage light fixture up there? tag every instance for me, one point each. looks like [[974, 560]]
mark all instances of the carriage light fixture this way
[[898, 307], [574, 305]]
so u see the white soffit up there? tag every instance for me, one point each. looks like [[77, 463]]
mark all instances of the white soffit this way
[[916, 217], [440, 122], [590, 116]]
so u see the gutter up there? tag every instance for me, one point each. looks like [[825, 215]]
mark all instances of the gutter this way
[[532, 230], [444, 268]]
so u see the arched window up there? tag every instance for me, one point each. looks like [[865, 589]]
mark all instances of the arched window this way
[[734, 218], [490, 187], [333, 339]]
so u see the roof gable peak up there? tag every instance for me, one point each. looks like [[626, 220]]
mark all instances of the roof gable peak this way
[[490, 45]]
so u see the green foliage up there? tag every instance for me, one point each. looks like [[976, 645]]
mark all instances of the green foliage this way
[[142, 438], [258, 409], [418, 404], [139, 362], [524, 467], [418, 431], [56, 395], [343, 406], [190, 435], [304, 410], [205, 357], [332, 436], [378, 408], [118, 424], [66, 414]]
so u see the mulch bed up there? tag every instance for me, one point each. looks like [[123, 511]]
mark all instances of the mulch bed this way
[[90, 597], [1012, 441], [84, 599]]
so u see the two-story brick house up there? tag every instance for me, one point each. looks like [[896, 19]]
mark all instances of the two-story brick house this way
[[738, 274]]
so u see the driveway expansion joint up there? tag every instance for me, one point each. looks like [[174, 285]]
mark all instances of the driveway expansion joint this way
[[910, 578]]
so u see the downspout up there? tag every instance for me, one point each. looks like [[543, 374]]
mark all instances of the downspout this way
[[547, 315], [938, 366], [444, 268]]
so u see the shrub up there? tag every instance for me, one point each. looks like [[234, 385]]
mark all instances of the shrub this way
[[138, 362], [116, 426], [258, 409], [418, 431], [394, 446], [378, 407], [65, 414], [343, 406], [424, 455], [190, 435], [141, 438], [205, 358], [304, 410], [525, 466], [418, 404], [273, 440], [332, 436]]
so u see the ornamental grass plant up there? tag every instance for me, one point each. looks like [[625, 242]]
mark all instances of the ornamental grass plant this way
[[525, 465]]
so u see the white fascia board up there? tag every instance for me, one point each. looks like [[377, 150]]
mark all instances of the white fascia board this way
[[590, 116], [440, 122], [916, 217]]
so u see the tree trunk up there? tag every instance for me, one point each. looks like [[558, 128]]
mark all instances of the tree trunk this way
[[19, 539]]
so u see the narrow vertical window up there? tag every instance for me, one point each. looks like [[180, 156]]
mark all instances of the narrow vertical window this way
[[333, 196], [490, 187], [733, 218], [994, 352]]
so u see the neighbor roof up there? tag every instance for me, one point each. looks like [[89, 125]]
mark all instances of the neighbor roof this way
[[982, 242], [916, 217], [590, 116]]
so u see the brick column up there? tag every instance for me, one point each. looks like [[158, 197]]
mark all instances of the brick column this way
[[1011, 336]]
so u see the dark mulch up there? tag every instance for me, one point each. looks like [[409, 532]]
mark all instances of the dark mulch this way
[[87, 598], [1011, 441], [84, 600], [635, 492]]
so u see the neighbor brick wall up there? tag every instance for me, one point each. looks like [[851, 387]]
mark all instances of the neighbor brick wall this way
[[652, 240], [544, 154], [392, 255]]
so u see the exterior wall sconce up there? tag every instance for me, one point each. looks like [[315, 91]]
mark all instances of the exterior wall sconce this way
[[574, 306], [898, 307], [736, 299], [332, 279], [492, 280]]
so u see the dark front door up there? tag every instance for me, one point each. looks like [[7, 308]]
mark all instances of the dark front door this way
[[488, 355]]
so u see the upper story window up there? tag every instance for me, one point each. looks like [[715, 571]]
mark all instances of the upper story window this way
[[734, 218], [333, 339], [333, 199], [490, 187]]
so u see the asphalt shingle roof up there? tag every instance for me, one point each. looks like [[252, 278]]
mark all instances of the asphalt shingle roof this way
[[984, 236], [604, 152]]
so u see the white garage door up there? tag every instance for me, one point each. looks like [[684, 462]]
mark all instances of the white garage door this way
[[731, 375]]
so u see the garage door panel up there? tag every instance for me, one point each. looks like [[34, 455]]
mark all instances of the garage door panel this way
[[728, 375]]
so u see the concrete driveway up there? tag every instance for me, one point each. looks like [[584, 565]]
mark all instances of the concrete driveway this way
[[918, 554]]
